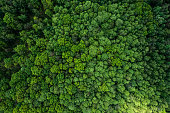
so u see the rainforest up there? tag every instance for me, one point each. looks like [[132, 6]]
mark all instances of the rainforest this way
[[84, 56]]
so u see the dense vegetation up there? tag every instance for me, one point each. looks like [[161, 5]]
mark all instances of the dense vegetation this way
[[79, 56]]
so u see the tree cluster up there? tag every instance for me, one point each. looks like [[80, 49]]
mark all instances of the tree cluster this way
[[82, 56]]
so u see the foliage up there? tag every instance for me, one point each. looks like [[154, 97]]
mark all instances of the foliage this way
[[81, 56]]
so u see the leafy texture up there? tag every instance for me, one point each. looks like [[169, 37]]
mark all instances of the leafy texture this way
[[79, 56]]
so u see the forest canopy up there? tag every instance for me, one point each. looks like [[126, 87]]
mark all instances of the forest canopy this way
[[84, 56]]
